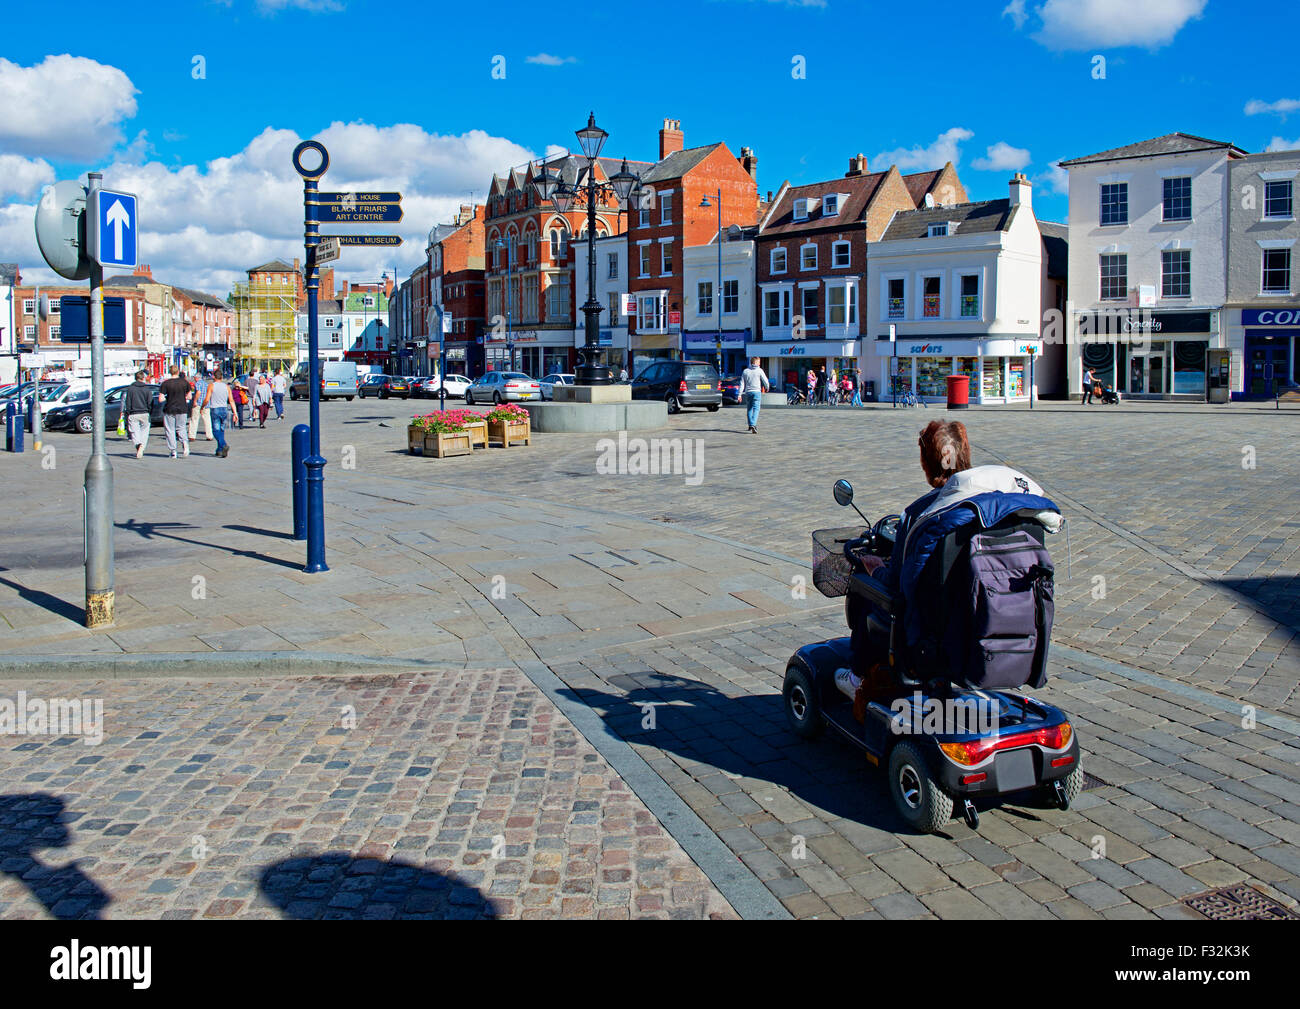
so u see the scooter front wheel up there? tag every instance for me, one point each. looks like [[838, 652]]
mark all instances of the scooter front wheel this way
[[917, 796], [802, 709]]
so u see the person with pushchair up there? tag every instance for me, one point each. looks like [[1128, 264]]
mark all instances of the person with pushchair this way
[[1090, 388]]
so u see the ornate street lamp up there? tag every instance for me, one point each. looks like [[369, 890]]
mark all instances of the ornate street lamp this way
[[550, 188]]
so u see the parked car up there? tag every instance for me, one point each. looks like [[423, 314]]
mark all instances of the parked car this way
[[549, 382], [337, 378], [384, 386], [680, 384], [76, 416], [731, 389], [502, 386], [456, 386]]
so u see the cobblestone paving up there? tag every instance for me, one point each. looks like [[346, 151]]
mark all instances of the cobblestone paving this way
[[1192, 800], [450, 796]]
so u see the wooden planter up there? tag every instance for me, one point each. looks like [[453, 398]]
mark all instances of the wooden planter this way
[[478, 433], [415, 440], [441, 444], [510, 432]]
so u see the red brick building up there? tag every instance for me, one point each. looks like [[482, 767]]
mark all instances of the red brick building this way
[[456, 251], [672, 220], [811, 262], [44, 336]]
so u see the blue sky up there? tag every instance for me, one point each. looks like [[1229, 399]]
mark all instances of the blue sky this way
[[404, 95]]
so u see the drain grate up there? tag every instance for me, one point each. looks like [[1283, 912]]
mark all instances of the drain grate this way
[[1092, 781], [1239, 903]]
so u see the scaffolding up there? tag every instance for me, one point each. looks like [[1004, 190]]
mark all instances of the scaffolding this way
[[266, 325]]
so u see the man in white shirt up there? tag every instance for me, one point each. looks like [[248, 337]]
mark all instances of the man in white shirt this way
[[279, 386], [753, 383]]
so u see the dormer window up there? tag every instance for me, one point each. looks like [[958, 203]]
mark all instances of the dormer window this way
[[937, 230], [830, 205], [801, 210]]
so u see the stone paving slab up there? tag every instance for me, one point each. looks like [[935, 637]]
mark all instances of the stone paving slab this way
[[457, 795]]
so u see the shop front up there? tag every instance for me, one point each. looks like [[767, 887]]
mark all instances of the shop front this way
[[1271, 356], [646, 348], [788, 363], [998, 368], [1149, 355], [464, 357], [703, 346], [536, 352]]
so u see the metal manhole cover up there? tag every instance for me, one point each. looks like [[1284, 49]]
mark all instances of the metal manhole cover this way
[[1239, 903], [1092, 781]]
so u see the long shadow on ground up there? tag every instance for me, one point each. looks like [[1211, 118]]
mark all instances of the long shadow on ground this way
[[34, 820]]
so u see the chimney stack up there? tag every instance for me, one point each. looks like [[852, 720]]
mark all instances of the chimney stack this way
[[749, 163], [326, 283], [1022, 191], [857, 166], [671, 138], [144, 270]]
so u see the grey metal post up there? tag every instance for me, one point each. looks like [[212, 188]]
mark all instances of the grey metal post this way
[[100, 602]]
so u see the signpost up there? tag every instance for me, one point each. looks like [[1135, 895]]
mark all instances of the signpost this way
[[328, 250], [364, 239]]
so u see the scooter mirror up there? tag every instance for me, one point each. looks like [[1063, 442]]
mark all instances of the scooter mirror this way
[[843, 491]]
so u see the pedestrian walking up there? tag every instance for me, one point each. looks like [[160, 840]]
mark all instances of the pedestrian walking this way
[[239, 399], [220, 400], [198, 411], [262, 399], [753, 383], [622, 374], [175, 395], [823, 385], [811, 379], [279, 386], [1089, 383], [136, 402]]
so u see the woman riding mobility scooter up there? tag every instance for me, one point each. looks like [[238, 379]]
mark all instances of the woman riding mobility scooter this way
[[966, 626]]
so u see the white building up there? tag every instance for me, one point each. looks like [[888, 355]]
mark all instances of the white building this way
[[709, 309], [336, 331], [611, 287], [961, 286], [9, 334], [1148, 264]]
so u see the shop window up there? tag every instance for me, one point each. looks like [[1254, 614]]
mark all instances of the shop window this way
[[1114, 277], [932, 293], [1176, 273], [991, 387], [932, 375], [1189, 366], [1277, 199], [897, 300], [1277, 272], [1016, 387], [970, 367], [1176, 202], [1114, 203], [970, 296]]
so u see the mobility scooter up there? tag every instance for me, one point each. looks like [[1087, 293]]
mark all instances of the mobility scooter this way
[[952, 724]]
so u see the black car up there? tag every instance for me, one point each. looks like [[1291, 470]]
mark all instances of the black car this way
[[680, 384], [384, 386], [77, 416]]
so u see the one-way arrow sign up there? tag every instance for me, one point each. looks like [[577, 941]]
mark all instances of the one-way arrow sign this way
[[112, 228]]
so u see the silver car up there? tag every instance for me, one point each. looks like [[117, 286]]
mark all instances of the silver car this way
[[501, 387]]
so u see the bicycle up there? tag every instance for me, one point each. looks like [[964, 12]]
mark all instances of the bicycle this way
[[908, 398], [795, 397]]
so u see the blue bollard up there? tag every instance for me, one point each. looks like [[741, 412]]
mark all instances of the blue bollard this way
[[31, 416], [10, 411], [20, 422], [300, 439]]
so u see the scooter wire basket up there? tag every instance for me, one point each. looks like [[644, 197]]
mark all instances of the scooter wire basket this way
[[831, 569]]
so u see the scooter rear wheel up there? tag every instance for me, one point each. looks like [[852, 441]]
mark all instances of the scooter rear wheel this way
[[917, 796], [802, 709]]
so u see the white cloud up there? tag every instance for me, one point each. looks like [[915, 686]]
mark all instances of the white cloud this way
[[311, 6], [945, 148], [1088, 24], [1282, 107], [1002, 157], [547, 60], [1056, 178], [204, 225], [65, 107], [1016, 11], [21, 177], [1282, 144]]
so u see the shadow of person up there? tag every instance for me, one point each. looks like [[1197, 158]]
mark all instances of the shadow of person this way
[[337, 885], [35, 820]]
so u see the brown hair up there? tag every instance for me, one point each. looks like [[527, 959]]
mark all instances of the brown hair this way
[[945, 450]]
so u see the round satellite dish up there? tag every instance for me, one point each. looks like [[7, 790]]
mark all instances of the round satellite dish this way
[[733, 232], [929, 199], [61, 230]]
